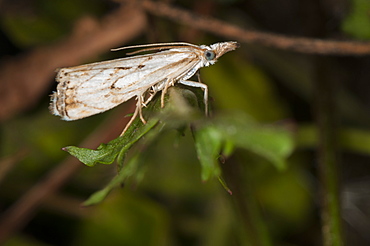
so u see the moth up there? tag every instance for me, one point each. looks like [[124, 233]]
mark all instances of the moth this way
[[93, 88]]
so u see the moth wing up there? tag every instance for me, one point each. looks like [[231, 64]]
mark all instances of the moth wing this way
[[94, 88]]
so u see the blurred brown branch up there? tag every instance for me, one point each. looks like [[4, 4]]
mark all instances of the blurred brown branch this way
[[26, 77], [302, 45]]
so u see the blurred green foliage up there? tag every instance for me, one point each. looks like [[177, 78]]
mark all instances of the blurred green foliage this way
[[358, 21], [121, 219], [46, 21]]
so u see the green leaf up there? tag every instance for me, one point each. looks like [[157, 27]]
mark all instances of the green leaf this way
[[228, 148], [107, 153], [126, 171], [208, 142], [275, 143], [272, 142], [133, 168]]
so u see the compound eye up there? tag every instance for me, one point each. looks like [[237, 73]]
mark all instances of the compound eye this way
[[209, 54]]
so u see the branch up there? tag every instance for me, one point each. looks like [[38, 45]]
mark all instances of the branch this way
[[301, 45]]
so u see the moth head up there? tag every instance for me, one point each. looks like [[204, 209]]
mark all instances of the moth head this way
[[215, 51]]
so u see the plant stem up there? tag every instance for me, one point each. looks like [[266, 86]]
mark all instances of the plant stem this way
[[328, 158]]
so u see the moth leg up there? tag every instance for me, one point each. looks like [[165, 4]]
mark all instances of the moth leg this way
[[137, 111], [140, 103], [149, 98], [199, 85], [164, 91]]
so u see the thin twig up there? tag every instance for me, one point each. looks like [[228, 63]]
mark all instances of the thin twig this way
[[297, 44]]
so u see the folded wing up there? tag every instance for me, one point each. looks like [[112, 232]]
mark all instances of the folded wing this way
[[94, 88]]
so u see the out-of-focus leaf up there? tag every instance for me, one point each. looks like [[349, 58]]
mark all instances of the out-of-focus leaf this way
[[356, 140], [208, 141], [20, 240], [125, 219], [275, 188], [126, 171], [272, 142], [47, 21], [237, 84], [350, 139], [275, 143], [358, 21], [228, 148]]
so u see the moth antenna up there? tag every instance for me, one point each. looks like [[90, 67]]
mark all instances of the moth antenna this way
[[154, 48], [155, 45]]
